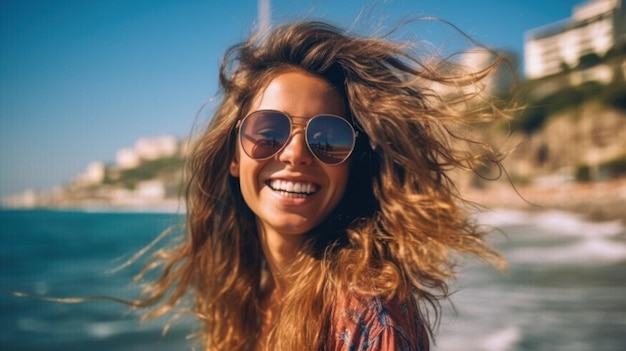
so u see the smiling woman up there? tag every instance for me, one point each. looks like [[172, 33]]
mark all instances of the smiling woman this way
[[284, 210], [321, 212]]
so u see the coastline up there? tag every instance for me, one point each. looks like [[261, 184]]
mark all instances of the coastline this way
[[594, 201], [165, 206]]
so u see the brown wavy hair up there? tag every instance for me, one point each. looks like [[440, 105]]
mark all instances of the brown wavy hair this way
[[396, 233]]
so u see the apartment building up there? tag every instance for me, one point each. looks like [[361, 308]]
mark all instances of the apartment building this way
[[595, 27]]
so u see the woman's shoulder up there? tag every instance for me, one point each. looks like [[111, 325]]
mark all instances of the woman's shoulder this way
[[369, 323]]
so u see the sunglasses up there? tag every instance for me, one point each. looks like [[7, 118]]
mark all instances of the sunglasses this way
[[264, 133]]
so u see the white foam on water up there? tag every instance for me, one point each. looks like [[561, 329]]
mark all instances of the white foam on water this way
[[570, 224], [502, 340], [99, 330], [478, 337], [585, 241], [107, 329], [586, 251], [103, 330], [503, 217]]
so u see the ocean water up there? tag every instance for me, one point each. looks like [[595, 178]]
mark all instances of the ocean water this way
[[565, 288], [67, 254]]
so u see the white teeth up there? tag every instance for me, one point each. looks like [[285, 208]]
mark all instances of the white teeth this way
[[292, 187]]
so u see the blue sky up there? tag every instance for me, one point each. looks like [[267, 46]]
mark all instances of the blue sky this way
[[80, 79]]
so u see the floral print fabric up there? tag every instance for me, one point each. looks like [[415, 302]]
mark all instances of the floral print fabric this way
[[369, 324]]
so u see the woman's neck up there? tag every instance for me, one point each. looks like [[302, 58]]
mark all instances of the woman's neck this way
[[280, 251]]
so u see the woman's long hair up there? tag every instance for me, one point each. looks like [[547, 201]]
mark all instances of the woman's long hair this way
[[397, 230]]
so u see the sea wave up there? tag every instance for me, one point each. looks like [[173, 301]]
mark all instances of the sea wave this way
[[558, 237]]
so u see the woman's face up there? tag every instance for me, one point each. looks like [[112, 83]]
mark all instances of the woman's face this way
[[268, 185]]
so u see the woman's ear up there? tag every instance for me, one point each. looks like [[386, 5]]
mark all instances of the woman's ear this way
[[234, 167]]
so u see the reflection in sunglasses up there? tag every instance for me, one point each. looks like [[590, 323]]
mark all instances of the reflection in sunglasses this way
[[264, 133]]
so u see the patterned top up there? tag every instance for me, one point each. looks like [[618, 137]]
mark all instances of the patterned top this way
[[367, 324]]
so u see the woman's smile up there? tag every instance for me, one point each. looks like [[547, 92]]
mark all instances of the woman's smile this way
[[293, 189]]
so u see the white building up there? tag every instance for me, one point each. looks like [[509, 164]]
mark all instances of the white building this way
[[127, 158], [94, 174], [154, 148], [151, 190], [26, 199], [146, 149], [595, 27]]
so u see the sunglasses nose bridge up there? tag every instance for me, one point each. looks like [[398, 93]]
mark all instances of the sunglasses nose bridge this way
[[298, 122], [298, 130], [296, 151]]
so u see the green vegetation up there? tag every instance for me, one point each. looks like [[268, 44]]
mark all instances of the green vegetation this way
[[615, 168], [583, 173], [539, 109], [607, 170], [614, 94], [589, 60], [147, 170]]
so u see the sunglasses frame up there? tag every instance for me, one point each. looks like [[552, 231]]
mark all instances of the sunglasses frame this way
[[355, 134]]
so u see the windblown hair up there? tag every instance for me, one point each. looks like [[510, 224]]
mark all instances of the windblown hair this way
[[397, 232]]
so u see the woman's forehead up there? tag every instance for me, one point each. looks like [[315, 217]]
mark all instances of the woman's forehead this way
[[299, 93]]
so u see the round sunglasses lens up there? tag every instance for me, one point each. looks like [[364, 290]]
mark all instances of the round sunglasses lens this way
[[263, 133], [330, 138]]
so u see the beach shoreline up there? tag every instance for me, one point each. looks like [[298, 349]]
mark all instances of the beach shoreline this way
[[594, 201]]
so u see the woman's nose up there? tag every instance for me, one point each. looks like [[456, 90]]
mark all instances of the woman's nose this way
[[296, 151]]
